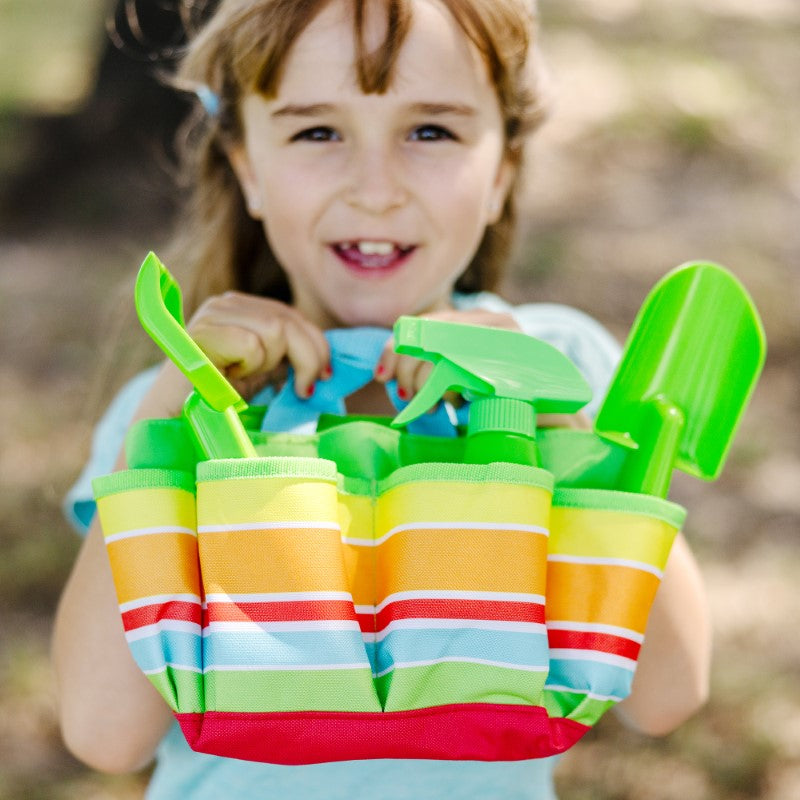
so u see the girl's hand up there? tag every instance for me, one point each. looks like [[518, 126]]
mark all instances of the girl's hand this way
[[249, 339]]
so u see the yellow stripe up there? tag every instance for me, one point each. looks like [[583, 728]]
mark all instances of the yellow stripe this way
[[610, 534], [452, 501], [249, 500], [164, 563], [278, 560], [605, 594], [462, 560], [146, 508], [355, 518]]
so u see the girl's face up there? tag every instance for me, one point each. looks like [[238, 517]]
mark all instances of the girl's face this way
[[375, 204]]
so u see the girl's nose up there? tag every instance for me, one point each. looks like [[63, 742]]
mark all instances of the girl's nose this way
[[375, 183]]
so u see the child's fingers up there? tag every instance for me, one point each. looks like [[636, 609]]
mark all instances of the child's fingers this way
[[411, 373], [387, 363], [252, 336], [237, 351], [307, 355]]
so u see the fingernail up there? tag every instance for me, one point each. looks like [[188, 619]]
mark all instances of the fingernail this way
[[327, 372], [380, 371], [309, 391], [402, 393]]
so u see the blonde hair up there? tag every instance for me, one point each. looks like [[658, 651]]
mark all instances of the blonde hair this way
[[242, 47]]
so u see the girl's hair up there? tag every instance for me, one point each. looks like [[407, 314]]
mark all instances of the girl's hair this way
[[241, 46]]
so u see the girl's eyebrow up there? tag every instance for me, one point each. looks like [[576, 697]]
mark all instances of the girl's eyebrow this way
[[432, 109], [295, 110]]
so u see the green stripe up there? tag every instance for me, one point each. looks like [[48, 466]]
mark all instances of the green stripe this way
[[295, 690], [627, 502], [458, 682], [186, 684], [267, 467], [134, 479], [575, 706]]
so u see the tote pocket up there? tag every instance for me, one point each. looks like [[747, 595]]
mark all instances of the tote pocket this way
[[460, 560], [148, 521], [281, 633], [607, 553]]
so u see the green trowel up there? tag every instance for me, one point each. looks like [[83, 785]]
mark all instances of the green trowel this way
[[689, 367]]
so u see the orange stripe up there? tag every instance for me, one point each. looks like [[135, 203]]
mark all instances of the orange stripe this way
[[607, 594], [161, 563], [462, 560], [293, 560]]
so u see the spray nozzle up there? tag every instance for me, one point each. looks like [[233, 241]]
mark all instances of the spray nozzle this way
[[508, 376]]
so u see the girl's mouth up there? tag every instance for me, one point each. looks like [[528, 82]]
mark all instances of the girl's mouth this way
[[372, 255]]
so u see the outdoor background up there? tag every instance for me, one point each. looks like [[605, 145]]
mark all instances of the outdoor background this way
[[675, 137]]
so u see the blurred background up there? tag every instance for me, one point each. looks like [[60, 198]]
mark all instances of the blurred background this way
[[675, 136]]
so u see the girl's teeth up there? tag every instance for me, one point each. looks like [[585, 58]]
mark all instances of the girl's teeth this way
[[375, 248]]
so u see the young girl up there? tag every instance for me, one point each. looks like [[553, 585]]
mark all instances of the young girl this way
[[359, 162]]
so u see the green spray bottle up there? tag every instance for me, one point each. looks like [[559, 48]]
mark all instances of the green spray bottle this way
[[508, 377]]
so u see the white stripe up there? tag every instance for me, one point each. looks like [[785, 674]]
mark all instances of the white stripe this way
[[455, 624], [159, 670], [276, 597], [282, 667], [451, 594], [590, 695], [174, 625], [454, 659], [158, 600], [558, 654], [134, 532], [447, 526], [611, 562], [323, 525], [595, 627], [242, 626]]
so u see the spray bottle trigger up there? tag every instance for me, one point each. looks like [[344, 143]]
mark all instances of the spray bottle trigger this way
[[445, 376]]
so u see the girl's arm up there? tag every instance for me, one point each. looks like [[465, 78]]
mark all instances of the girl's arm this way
[[111, 716], [672, 678]]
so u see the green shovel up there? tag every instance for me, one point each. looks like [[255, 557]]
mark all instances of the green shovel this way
[[689, 367]]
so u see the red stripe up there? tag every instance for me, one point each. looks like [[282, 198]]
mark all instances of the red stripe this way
[[469, 731], [497, 610], [590, 640], [281, 611], [150, 615]]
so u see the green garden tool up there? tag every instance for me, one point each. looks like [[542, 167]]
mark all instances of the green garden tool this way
[[508, 376], [690, 365], [212, 409]]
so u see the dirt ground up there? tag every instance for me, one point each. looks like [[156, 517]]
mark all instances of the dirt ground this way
[[674, 138]]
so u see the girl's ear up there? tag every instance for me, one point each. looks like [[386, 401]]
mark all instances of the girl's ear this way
[[240, 162], [502, 186]]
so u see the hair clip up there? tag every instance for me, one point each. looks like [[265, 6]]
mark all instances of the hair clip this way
[[209, 99]]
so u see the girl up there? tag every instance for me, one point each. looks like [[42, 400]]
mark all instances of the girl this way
[[359, 162]]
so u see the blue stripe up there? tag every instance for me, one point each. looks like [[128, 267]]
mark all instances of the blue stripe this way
[[173, 647], [603, 679], [287, 649], [512, 648]]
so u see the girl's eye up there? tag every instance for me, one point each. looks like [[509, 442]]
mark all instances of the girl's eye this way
[[431, 133], [319, 134]]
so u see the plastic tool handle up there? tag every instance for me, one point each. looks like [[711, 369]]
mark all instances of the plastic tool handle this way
[[211, 410], [160, 309]]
